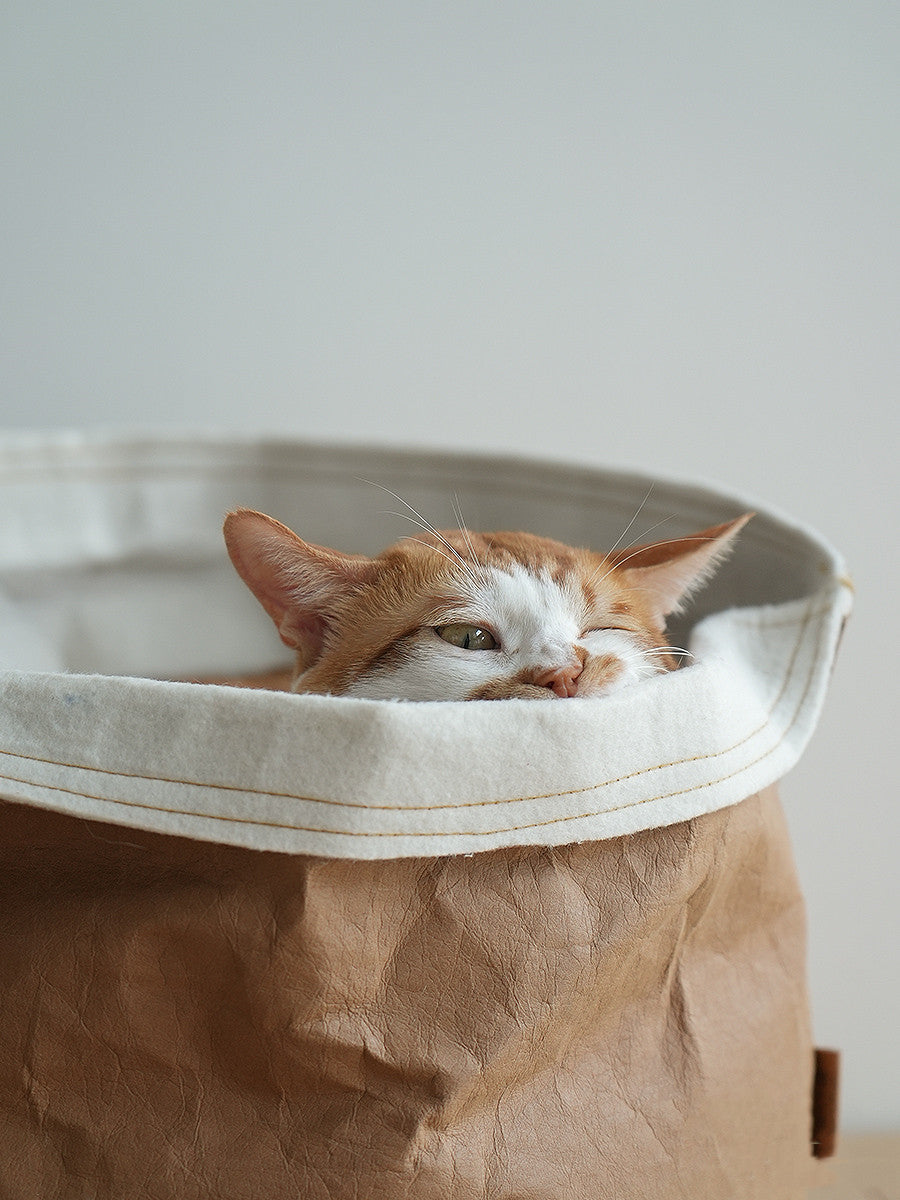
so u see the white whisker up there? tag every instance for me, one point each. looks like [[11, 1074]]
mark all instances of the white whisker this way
[[463, 529], [624, 532], [418, 519], [609, 553], [661, 651], [653, 546], [656, 525], [429, 546]]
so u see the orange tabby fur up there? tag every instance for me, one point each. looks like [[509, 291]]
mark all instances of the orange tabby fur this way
[[360, 625]]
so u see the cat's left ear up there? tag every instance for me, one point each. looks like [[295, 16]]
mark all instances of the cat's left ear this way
[[301, 586], [668, 573]]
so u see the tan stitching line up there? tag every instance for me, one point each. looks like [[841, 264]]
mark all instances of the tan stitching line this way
[[487, 833], [461, 832], [427, 807]]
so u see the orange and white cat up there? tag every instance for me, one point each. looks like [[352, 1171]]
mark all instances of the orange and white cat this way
[[471, 616]]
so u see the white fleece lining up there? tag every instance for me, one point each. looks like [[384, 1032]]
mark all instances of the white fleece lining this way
[[372, 779]]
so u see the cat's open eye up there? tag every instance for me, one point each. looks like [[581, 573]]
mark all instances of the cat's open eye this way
[[467, 637]]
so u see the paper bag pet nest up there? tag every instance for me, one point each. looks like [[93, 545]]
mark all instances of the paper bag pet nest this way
[[259, 944]]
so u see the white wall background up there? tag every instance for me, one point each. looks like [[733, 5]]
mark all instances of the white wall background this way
[[653, 235]]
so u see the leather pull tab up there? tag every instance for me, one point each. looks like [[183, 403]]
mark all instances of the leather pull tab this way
[[825, 1103]]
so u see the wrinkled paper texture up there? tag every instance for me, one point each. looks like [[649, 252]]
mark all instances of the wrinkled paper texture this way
[[617, 1020]]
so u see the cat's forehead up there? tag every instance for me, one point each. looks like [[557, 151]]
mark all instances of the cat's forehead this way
[[505, 572], [515, 569], [529, 595], [502, 550], [537, 554]]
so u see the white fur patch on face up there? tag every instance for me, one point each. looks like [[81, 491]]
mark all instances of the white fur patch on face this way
[[538, 623], [536, 620]]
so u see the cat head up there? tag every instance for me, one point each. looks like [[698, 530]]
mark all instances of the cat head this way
[[467, 616]]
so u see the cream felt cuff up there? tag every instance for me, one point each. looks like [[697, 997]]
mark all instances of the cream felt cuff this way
[[114, 579]]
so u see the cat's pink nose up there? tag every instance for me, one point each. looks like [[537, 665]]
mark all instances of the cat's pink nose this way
[[561, 680]]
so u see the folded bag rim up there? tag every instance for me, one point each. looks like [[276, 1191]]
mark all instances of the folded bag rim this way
[[375, 779]]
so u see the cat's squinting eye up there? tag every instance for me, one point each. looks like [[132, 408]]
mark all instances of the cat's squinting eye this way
[[467, 637]]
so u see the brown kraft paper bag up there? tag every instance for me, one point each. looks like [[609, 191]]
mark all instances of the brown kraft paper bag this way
[[616, 1020]]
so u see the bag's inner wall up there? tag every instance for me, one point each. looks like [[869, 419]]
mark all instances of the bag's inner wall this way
[[112, 560]]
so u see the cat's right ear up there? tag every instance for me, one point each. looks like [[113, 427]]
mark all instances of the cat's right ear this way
[[299, 585]]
